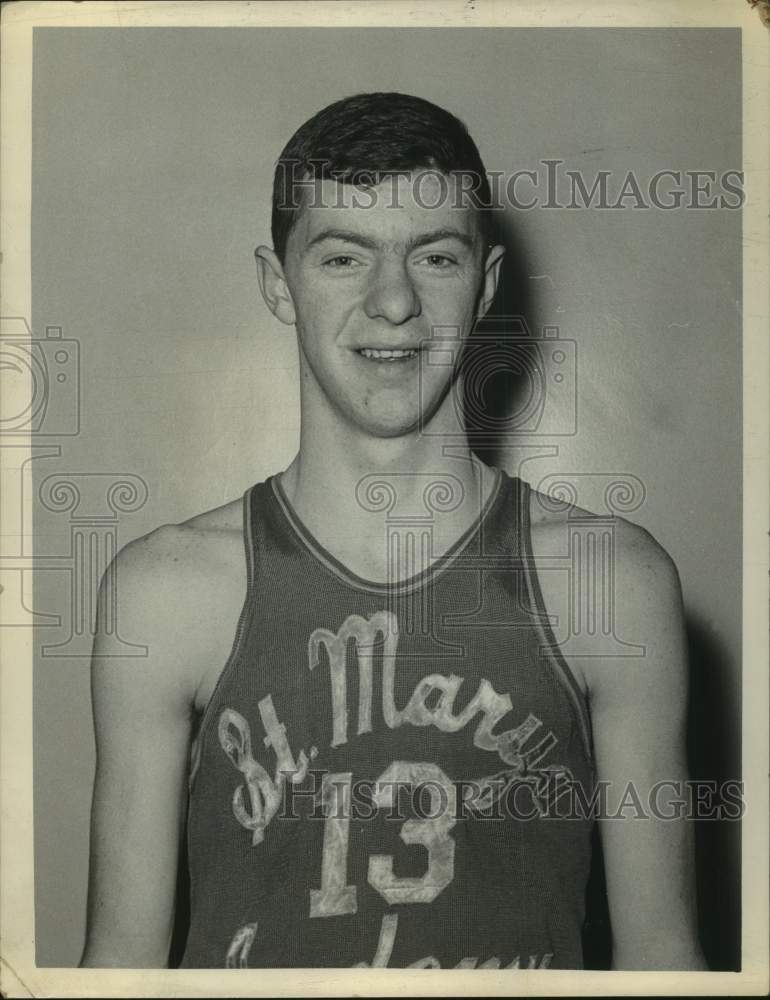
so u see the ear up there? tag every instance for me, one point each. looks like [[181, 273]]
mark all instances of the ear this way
[[491, 276], [272, 284]]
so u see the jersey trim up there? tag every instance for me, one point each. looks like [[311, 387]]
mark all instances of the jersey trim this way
[[322, 556], [550, 649], [235, 649]]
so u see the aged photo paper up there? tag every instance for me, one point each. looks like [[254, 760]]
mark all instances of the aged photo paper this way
[[150, 373]]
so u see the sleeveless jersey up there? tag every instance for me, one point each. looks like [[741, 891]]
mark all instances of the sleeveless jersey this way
[[377, 776]]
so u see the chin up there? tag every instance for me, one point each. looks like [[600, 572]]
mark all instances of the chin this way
[[391, 420], [387, 425], [389, 429]]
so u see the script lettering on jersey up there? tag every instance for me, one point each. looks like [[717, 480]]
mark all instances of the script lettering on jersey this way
[[264, 792], [383, 625], [243, 940], [257, 801], [387, 940], [238, 952]]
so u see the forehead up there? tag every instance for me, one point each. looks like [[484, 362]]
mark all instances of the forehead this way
[[399, 208]]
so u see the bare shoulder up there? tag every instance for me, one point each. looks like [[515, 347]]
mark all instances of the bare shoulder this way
[[179, 591], [177, 561], [170, 543], [635, 550], [639, 575]]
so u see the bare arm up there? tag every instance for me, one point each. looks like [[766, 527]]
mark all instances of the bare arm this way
[[638, 711], [142, 712]]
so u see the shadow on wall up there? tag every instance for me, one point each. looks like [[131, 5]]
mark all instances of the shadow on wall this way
[[494, 393], [714, 751], [713, 726]]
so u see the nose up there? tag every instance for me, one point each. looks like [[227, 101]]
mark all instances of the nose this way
[[391, 294]]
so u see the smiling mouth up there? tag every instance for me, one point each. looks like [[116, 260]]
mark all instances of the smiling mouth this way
[[377, 354]]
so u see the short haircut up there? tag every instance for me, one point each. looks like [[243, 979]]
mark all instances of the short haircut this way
[[365, 138]]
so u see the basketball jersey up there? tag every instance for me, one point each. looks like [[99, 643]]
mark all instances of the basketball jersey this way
[[375, 780]]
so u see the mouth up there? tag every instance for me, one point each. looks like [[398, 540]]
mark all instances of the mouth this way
[[386, 355]]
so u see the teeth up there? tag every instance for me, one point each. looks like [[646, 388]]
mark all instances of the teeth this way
[[370, 352]]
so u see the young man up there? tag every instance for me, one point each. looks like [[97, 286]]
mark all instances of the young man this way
[[371, 659]]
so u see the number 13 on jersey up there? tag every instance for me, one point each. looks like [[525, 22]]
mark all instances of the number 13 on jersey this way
[[336, 897]]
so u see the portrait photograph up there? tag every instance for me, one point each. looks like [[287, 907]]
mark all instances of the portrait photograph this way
[[385, 511]]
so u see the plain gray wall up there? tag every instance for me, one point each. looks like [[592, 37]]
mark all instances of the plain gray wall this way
[[153, 152]]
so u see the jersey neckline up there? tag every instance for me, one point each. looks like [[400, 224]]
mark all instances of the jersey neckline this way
[[317, 551]]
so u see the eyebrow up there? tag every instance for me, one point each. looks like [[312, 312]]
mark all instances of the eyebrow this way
[[348, 236]]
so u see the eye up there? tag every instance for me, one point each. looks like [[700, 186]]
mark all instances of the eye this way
[[438, 261], [340, 261]]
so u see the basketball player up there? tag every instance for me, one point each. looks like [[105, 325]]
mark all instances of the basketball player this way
[[310, 669]]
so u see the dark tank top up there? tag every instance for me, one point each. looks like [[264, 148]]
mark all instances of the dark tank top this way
[[379, 775]]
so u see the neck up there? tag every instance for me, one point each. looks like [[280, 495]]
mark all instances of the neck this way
[[335, 460], [347, 486]]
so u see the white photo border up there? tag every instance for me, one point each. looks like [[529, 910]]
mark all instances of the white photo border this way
[[19, 975]]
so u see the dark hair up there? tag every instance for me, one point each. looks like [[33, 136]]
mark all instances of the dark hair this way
[[363, 139]]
